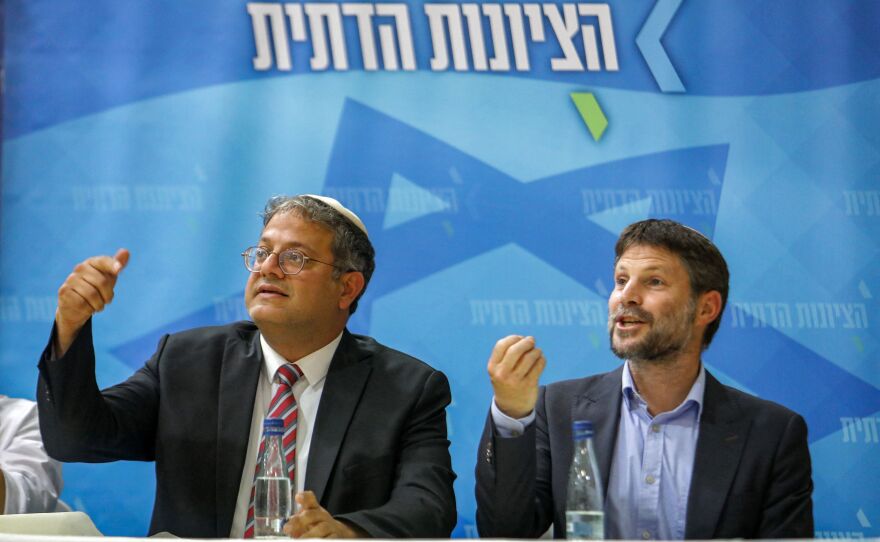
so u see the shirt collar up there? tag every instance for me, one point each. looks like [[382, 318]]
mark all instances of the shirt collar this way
[[313, 366], [695, 396]]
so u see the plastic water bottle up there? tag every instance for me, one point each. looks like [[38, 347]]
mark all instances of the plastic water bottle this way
[[273, 499], [584, 507]]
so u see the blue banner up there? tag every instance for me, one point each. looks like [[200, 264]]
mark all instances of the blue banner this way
[[494, 151]]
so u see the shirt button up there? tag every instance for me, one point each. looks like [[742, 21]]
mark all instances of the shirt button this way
[[646, 535], [650, 479], [655, 428]]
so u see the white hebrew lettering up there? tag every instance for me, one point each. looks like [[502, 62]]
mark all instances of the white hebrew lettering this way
[[259, 13], [363, 14], [441, 17], [317, 14], [404, 42], [517, 36]]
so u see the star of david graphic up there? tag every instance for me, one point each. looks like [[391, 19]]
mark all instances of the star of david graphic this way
[[547, 218]]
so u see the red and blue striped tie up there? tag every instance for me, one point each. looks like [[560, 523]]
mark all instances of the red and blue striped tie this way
[[283, 406]]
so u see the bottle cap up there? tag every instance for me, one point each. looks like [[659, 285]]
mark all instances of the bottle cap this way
[[583, 428], [273, 426]]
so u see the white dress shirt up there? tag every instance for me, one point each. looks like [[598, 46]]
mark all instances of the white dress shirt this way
[[33, 481], [307, 392]]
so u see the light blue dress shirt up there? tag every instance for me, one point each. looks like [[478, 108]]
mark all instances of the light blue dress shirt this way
[[652, 465]]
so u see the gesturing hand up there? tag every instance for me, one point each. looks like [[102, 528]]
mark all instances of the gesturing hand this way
[[312, 521], [514, 368], [87, 290]]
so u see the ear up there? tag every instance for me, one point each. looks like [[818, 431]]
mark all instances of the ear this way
[[708, 307], [352, 286]]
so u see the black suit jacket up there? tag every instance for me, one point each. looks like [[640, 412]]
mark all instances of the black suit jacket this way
[[751, 477], [379, 455]]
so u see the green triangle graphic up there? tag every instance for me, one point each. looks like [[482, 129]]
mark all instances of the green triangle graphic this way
[[590, 111]]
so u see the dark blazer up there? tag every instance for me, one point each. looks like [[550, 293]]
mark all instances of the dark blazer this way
[[751, 477], [379, 455]]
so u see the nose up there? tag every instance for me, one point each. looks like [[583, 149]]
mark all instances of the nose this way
[[271, 267], [630, 293]]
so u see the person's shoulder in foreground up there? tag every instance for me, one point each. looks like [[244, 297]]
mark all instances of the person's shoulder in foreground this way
[[29, 480]]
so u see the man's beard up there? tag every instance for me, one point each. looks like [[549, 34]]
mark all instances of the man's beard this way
[[667, 337]]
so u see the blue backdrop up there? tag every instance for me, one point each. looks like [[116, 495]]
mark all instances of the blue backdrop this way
[[494, 152]]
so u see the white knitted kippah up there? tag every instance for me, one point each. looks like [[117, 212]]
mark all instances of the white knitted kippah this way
[[343, 210]]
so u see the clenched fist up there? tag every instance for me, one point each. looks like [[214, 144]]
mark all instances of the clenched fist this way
[[86, 291], [514, 368]]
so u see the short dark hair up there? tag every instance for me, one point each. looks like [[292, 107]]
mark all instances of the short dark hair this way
[[703, 261], [352, 249]]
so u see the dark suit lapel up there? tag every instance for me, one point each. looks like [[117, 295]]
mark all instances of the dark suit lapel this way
[[600, 403], [721, 442], [239, 373], [345, 383]]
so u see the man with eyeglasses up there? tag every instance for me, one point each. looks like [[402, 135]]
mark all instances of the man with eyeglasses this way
[[365, 425]]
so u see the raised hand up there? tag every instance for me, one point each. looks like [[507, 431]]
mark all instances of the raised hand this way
[[87, 290], [514, 368]]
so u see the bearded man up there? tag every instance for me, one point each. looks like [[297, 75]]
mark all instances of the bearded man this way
[[680, 455]]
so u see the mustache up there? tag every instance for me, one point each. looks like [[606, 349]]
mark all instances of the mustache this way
[[632, 312]]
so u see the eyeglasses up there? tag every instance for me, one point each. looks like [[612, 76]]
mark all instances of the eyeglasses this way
[[290, 261]]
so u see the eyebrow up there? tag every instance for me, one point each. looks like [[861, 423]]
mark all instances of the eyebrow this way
[[293, 244], [649, 269]]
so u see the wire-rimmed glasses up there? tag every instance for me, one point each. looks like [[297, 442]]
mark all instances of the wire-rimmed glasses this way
[[291, 261]]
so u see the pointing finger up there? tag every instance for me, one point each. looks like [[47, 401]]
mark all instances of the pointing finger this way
[[102, 264], [122, 255]]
